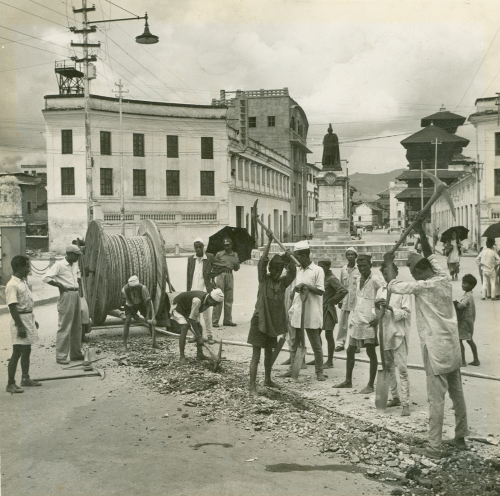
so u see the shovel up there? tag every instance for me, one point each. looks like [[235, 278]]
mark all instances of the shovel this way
[[383, 378], [277, 350], [301, 348]]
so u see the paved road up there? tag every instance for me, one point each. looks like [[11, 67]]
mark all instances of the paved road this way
[[89, 437]]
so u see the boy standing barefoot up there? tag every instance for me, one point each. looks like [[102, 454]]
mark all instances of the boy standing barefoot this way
[[23, 326], [466, 315], [269, 319]]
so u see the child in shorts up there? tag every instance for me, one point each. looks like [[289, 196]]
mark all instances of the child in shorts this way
[[466, 315]]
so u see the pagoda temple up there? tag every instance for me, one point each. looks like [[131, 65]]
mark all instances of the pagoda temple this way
[[421, 153]]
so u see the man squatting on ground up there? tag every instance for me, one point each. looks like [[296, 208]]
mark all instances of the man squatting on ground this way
[[186, 311], [396, 323], [137, 299], [363, 323], [269, 319], [348, 275], [309, 278], [65, 275], [438, 331], [199, 269], [23, 326], [224, 263], [466, 316], [334, 293]]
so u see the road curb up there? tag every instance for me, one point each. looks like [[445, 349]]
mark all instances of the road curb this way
[[43, 301]]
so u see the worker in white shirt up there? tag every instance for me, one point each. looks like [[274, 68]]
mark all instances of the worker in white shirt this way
[[488, 261], [65, 275]]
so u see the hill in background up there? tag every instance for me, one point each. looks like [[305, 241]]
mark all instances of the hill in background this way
[[368, 185]]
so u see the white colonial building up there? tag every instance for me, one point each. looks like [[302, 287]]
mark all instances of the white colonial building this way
[[366, 214], [183, 168], [397, 208]]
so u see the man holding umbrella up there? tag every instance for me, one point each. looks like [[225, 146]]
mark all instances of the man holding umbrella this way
[[224, 263]]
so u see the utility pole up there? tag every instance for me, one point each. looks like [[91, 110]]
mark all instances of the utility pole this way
[[86, 94], [498, 109], [421, 185], [478, 192], [122, 178], [436, 142]]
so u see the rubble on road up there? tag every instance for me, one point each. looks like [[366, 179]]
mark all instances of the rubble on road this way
[[296, 410]]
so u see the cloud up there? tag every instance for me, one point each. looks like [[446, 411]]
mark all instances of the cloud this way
[[370, 68], [11, 163]]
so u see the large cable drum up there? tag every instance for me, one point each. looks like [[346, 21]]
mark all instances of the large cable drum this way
[[110, 259]]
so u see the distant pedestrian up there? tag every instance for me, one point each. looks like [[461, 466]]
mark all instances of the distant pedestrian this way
[[65, 275], [199, 278], [137, 299], [466, 315], [348, 275], [335, 292], [453, 251], [396, 323], [224, 263], [269, 319], [363, 323], [309, 278], [488, 260], [23, 326]]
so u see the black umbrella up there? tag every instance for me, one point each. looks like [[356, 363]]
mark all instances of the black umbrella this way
[[243, 243], [462, 233], [493, 231]]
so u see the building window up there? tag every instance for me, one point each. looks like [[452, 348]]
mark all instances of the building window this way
[[359, 218], [270, 120], [247, 171], [252, 122], [207, 183], [105, 143], [67, 180], [497, 144], [106, 181], [497, 182], [139, 187], [138, 145], [173, 182], [28, 207], [67, 141], [252, 173], [173, 146], [207, 148]]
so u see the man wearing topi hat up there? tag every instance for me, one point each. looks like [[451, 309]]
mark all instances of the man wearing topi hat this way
[[438, 331], [186, 311], [311, 278], [348, 275], [137, 299], [65, 275], [199, 268]]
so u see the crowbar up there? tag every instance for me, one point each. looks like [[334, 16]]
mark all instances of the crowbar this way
[[97, 372]]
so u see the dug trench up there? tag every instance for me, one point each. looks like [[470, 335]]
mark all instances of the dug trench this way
[[286, 416]]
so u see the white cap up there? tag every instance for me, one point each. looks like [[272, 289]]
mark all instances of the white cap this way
[[301, 245], [217, 295], [352, 249], [133, 281], [198, 240]]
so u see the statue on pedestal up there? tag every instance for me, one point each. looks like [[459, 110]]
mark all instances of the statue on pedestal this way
[[331, 152]]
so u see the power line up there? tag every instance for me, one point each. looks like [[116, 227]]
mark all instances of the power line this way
[[29, 46], [475, 74], [31, 13]]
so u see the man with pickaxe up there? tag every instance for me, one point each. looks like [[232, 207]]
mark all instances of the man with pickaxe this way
[[438, 330]]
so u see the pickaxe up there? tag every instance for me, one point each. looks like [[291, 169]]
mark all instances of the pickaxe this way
[[256, 219], [97, 372], [383, 379], [441, 190]]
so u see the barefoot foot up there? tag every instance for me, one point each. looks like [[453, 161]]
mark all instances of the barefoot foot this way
[[272, 384], [183, 361], [343, 385], [406, 411]]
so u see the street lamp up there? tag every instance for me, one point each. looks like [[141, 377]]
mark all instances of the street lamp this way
[[88, 27], [348, 194]]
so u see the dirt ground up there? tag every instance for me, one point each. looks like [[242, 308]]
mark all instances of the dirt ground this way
[[152, 427]]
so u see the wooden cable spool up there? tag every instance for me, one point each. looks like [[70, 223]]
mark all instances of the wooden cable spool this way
[[110, 259]]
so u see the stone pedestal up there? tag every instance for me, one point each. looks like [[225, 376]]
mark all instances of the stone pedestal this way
[[332, 223], [12, 225]]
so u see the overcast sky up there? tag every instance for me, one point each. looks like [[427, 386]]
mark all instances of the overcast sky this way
[[371, 68]]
